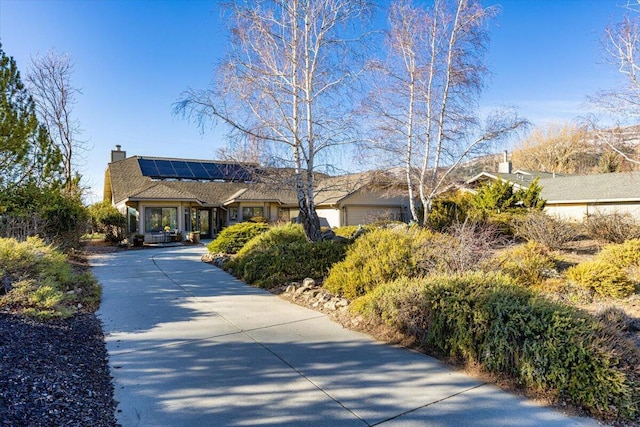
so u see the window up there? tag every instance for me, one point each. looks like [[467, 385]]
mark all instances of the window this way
[[284, 214], [233, 214], [248, 213], [156, 219]]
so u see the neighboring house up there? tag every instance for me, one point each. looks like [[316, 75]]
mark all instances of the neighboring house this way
[[573, 197], [206, 196]]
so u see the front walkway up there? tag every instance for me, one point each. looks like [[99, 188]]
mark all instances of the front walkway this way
[[191, 346]]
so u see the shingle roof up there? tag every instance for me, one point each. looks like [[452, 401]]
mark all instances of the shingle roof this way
[[128, 183], [610, 187]]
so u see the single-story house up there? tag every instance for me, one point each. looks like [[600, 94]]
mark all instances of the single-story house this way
[[573, 197], [205, 195]]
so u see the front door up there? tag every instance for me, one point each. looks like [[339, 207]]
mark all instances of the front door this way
[[204, 223]]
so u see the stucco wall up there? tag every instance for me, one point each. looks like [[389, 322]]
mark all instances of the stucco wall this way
[[578, 211], [332, 216]]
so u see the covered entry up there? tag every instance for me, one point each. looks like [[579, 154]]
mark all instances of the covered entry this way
[[204, 220]]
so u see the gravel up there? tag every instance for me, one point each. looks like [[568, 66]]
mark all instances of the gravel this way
[[54, 373]]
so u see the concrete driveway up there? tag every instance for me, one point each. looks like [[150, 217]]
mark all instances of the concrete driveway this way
[[190, 345]]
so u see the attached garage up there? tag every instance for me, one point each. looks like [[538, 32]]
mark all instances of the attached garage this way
[[358, 215]]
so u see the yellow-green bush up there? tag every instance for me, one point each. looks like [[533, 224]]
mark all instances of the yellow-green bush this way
[[622, 255], [613, 273], [282, 234], [233, 238], [487, 319], [604, 278], [527, 264], [377, 257], [38, 281]]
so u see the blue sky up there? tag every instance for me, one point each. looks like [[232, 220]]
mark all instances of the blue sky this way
[[134, 58]]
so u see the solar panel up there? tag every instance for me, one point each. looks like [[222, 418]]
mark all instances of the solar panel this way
[[199, 172], [182, 169], [148, 167], [165, 168], [213, 170]]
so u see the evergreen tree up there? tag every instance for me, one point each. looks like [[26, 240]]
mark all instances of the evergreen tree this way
[[26, 151]]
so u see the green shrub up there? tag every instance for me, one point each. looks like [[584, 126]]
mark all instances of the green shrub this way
[[527, 264], [233, 238], [604, 278], [280, 235], [282, 263], [450, 210], [377, 257], [487, 319], [38, 281], [105, 218]]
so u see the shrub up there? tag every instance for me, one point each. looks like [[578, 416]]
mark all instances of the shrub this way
[[280, 235], [622, 255], [487, 319], [471, 243], [447, 211], [347, 231], [38, 281], [285, 262], [546, 230], [377, 257], [604, 278], [613, 272], [612, 228], [105, 218], [233, 238], [503, 221], [527, 264]]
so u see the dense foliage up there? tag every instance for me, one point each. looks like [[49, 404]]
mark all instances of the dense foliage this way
[[105, 218], [527, 265], [33, 200], [613, 273], [489, 320], [283, 254], [38, 281], [233, 238]]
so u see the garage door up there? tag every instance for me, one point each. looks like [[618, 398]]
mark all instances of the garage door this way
[[357, 215]]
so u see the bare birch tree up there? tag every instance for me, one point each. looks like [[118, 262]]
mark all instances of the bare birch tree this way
[[284, 83], [426, 106], [49, 81], [622, 104]]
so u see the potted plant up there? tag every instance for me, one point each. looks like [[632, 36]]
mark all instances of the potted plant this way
[[193, 236], [138, 240]]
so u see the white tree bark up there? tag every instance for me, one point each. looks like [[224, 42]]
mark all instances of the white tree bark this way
[[284, 84]]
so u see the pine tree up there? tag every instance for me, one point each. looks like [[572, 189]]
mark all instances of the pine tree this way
[[27, 154]]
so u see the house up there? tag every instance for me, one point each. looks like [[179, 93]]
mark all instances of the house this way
[[205, 195], [573, 197]]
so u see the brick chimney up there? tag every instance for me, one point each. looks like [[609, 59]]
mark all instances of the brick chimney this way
[[118, 154]]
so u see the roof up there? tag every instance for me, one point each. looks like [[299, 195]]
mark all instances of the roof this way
[[608, 187], [125, 181], [521, 178], [559, 189]]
